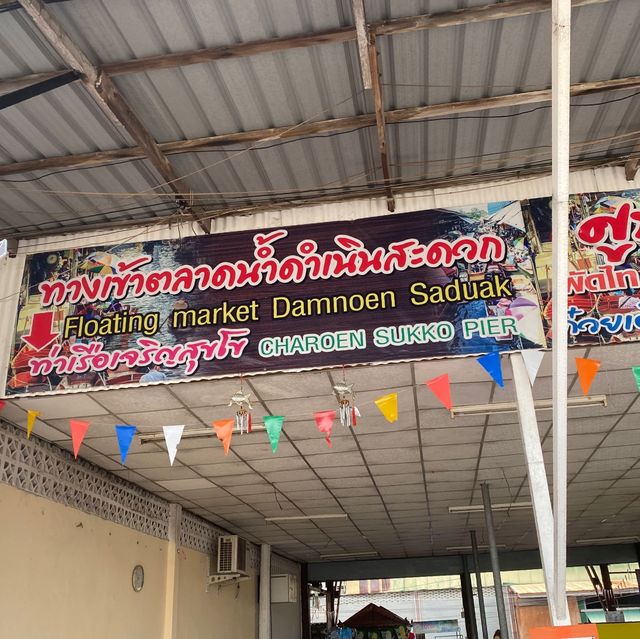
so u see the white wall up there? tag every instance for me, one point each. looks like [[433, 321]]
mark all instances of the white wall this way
[[65, 574]]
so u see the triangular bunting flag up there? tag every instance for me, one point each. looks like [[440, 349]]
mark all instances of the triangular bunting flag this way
[[2, 404], [79, 429], [441, 388], [32, 415], [324, 422], [172, 437], [125, 436], [388, 405], [532, 360], [492, 364], [273, 424], [587, 371], [224, 432], [636, 374]]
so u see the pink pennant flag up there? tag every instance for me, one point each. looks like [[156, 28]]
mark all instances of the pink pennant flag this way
[[324, 422], [79, 429], [441, 388], [2, 404]]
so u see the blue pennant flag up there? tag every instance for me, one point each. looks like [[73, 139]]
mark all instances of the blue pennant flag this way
[[125, 436], [491, 363]]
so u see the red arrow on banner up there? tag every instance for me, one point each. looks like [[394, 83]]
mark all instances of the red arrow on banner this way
[[41, 334]]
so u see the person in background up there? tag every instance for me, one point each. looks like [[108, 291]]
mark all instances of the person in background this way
[[155, 374], [497, 634]]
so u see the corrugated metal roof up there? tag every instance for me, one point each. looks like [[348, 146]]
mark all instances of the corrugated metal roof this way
[[300, 85]]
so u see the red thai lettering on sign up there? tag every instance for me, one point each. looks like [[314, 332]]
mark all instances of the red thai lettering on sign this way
[[352, 259], [613, 235]]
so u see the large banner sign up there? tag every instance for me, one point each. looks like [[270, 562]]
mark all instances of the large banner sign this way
[[427, 284]]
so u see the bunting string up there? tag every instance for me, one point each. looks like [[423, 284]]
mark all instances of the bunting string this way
[[347, 412]]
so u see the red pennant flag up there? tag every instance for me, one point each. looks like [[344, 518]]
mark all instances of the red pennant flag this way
[[78, 431], [224, 432], [2, 404], [324, 422], [587, 371], [441, 388]]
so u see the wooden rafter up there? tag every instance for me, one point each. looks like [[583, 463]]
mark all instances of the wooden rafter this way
[[486, 13], [368, 55], [314, 128], [376, 89], [362, 38], [106, 94]]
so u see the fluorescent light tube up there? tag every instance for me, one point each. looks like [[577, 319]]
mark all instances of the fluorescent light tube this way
[[512, 407], [308, 517], [194, 433], [469, 548], [516, 505], [609, 540], [372, 553]]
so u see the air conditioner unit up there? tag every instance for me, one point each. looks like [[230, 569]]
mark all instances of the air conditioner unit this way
[[232, 555]]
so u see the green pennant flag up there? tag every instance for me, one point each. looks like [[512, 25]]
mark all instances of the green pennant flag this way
[[636, 374], [273, 424]]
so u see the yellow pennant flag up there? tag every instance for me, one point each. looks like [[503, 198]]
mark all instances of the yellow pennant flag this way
[[388, 405], [32, 415]]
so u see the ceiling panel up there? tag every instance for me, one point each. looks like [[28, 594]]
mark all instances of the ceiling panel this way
[[374, 473]]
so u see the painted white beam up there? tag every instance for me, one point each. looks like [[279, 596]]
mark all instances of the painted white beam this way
[[538, 485], [560, 107]]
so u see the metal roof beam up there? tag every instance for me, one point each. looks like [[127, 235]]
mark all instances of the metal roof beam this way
[[37, 88], [109, 98], [313, 128], [20, 82], [439, 565]]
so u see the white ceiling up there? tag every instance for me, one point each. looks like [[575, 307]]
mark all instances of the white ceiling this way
[[395, 481]]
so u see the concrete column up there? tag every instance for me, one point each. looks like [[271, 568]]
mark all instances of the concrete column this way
[[172, 574], [495, 562], [264, 624]]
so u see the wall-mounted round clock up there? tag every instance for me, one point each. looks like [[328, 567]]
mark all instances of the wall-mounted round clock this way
[[137, 578]]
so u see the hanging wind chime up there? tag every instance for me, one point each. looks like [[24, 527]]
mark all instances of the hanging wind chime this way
[[243, 416], [346, 403]]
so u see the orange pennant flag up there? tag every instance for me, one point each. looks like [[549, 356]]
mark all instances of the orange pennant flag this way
[[32, 415], [224, 432], [78, 431], [388, 405], [587, 371]]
